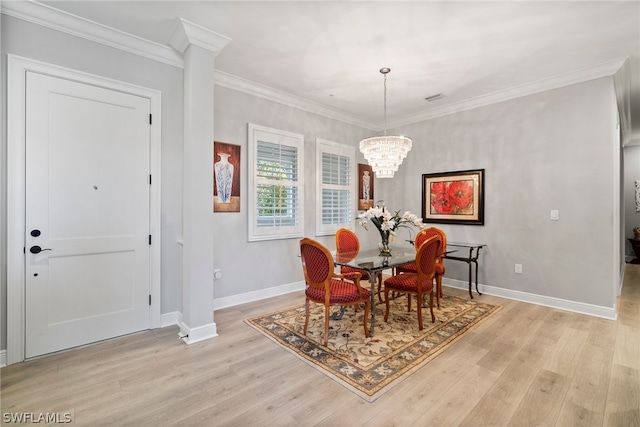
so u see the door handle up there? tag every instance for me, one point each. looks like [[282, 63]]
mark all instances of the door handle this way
[[37, 249]]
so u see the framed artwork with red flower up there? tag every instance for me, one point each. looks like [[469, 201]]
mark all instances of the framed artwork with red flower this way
[[453, 197]]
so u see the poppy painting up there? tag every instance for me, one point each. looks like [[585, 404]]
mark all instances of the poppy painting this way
[[453, 197]]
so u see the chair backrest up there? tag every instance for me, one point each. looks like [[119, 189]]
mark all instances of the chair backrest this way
[[347, 241], [425, 234], [317, 263], [427, 256]]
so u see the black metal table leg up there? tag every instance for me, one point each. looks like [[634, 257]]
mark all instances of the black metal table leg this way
[[475, 260], [470, 280], [471, 259]]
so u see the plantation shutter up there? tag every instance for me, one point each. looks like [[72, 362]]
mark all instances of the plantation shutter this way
[[277, 172], [336, 194], [335, 189], [276, 184]]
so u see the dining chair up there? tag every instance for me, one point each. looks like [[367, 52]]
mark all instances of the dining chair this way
[[419, 283], [410, 267], [324, 286], [347, 241]]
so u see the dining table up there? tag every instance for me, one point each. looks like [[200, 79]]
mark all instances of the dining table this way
[[372, 262]]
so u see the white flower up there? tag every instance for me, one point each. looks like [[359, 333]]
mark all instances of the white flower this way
[[385, 221]]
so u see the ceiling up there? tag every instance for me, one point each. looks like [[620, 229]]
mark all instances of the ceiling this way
[[330, 53]]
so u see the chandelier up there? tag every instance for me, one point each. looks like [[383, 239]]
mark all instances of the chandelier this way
[[385, 153]]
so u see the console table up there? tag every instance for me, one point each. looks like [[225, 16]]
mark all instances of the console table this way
[[474, 252]]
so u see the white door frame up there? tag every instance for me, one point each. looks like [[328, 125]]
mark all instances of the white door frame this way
[[16, 122]]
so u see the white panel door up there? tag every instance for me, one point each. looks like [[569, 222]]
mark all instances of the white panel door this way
[[87, 208]]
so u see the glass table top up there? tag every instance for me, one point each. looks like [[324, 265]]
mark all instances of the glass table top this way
[[371, 260]]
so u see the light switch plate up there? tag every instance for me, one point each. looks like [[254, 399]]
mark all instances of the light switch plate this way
[[555, 215]]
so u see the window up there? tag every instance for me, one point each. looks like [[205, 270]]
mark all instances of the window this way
[[335, 165], [276, 184]]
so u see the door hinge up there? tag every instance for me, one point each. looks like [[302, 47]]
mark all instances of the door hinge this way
[[149, 179], [149, 238], [150, 119], [149, 299]]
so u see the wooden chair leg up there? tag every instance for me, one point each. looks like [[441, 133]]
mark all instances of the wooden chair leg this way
[[386, 300], [326, 325], [306, 317], [433, 318], [418, 298]]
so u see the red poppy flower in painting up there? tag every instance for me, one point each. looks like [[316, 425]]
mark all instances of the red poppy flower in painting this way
[[442, 203], [461, 193], [439, 187]]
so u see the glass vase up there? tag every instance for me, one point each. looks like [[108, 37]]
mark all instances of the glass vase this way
[[383, 246]]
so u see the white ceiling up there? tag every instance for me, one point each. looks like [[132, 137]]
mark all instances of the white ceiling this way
[[330, 52]]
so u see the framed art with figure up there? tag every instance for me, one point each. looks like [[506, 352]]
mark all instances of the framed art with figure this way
[[365, 187], [226, 177], [453, 197]]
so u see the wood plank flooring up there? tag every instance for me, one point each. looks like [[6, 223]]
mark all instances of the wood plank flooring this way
[[527, 365]]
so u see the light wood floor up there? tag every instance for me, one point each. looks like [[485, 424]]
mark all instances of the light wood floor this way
[[526, 365]]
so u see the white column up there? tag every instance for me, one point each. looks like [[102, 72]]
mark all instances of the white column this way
[[199, 47]]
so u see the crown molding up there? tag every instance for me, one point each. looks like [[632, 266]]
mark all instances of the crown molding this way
[[183, 33], [241, 85], [56, 19], [186, 33], [561, 80]]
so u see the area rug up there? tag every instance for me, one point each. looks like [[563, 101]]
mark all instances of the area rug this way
[[371, 366]]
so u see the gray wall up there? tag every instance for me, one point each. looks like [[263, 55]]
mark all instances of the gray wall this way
[[253, 266], [36, 42], [553, 150]]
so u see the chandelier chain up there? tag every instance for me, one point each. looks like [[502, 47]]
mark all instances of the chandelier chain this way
[[385, 104]]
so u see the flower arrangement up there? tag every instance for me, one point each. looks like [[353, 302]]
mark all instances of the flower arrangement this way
[[387, 223]]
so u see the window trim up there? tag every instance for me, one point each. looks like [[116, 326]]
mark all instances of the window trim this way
[[275, 136], [326, 146]]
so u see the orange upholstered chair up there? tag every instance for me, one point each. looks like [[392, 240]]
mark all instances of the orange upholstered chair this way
[[328, 288], [411, 267], [419, 283], [347, 241]]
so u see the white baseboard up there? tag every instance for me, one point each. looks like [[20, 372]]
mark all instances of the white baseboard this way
[[175, 317], [233, 300], [561, 304], [169, 319], [199, 333]]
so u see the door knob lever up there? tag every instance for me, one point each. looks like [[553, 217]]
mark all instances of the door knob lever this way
[[37, 249]]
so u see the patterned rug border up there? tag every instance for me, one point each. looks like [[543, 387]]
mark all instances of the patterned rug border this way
[[310, 350]]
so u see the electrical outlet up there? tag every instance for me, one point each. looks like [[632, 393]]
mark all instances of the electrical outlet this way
[[519, 268]]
